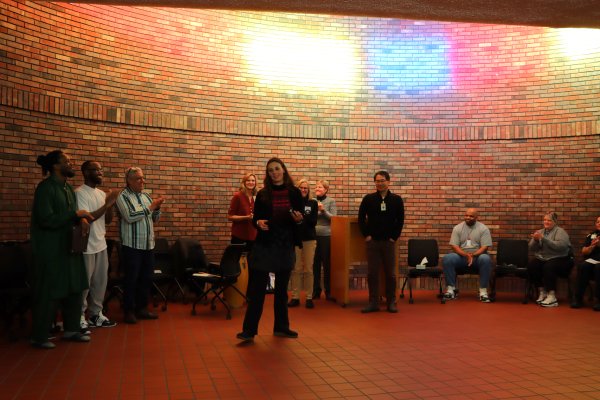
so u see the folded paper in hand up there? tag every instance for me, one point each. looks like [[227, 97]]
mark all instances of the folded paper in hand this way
[[423, 263]]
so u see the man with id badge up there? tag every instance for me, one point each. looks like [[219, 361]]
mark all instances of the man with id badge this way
[[381, 218], [470, 241]]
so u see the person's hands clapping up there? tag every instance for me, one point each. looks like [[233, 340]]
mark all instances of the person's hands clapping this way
[[111, 197], [296, 216], [156, 203], [263, 224], [85, 214]]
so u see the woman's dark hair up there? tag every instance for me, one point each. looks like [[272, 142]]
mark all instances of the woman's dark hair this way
[[49, 160], [288, 182], [287, 179]]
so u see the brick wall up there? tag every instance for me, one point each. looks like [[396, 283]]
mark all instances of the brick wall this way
[[511, 125]]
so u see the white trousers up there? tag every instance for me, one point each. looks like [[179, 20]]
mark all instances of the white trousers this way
[[96, 266]]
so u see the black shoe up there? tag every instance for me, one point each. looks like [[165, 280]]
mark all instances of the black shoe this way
[[391, 308], [76, 337], [130, 318], [288, 333], [47, 345], [145, 314], [245, 337], [329, 298], [577, 304], [310, 303], [370, 308], [294, 303], [316, 295], [596, 307]]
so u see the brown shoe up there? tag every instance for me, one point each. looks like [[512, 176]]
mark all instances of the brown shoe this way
[[145, 314], [130, 318]]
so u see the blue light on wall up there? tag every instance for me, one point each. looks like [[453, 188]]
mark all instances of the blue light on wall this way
[[406, 63]]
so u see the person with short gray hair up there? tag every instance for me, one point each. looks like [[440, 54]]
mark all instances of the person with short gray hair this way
[[551, 247], [138, 214]]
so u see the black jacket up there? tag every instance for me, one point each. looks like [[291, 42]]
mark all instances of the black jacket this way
[[263, 209], [381, 224]]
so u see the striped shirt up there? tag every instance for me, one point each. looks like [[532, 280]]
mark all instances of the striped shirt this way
[[136, 228]]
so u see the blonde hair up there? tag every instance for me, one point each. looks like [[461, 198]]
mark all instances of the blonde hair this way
[[300, 182], [243, 183], [324, 183]]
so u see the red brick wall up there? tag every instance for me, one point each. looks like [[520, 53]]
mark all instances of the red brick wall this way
[[135, 86]]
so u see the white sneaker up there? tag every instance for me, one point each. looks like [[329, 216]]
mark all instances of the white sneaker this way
[[83, 324], [549, 301], [450, 294], [101, 321], [541, 297]]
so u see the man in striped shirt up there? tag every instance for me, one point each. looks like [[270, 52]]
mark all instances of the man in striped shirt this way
[[138, 213]]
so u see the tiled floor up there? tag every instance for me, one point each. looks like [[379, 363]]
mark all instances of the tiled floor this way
[[460, 350]]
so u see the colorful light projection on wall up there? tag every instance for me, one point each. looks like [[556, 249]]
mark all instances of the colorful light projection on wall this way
[[302, 62], [580, 43], [406, 62], [398, 61]]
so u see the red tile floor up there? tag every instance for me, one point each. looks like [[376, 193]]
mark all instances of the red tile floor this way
[[460, 350]]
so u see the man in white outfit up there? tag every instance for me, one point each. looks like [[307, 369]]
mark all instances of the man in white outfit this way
[[96, 256]]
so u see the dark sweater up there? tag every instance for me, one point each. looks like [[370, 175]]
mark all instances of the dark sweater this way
[[310, 213], [381, 224], [276, 209]]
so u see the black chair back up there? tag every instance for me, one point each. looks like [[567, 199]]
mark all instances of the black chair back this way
[[420, 248], [512, 252], [14, 266], [163, 258], [230, 261], [188, 255]]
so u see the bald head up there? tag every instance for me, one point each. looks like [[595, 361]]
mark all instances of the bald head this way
[[471, 216]]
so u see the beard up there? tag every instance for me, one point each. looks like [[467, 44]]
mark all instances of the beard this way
[[68, 172], [97, 180]]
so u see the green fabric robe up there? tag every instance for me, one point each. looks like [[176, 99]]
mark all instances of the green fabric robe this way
[[58, 274]]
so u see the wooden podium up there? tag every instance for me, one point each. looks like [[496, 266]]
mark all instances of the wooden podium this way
[[348, 246]]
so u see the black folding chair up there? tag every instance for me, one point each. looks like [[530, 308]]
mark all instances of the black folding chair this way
[[417, 250], [15, 291], [225, 276], [512, 258]]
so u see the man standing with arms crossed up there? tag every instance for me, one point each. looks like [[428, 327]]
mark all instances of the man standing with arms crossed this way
[[381, 218], [95, 257]]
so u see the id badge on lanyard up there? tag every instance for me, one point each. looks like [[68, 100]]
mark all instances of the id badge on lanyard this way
[[383, 206]]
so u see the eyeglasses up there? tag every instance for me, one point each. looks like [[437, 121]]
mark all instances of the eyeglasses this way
[[380, 180]]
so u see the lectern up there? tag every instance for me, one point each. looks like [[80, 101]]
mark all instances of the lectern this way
[[347, 247]]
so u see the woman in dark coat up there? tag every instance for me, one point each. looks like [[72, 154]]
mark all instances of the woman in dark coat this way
[[277, 213]]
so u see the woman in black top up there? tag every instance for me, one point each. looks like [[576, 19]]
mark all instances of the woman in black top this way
[[277, 213], [305, 254]]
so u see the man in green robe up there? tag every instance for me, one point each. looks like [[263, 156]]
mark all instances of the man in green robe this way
[[59, 276]]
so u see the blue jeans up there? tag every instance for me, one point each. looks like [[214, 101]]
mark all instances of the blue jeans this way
[[453, 263]]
